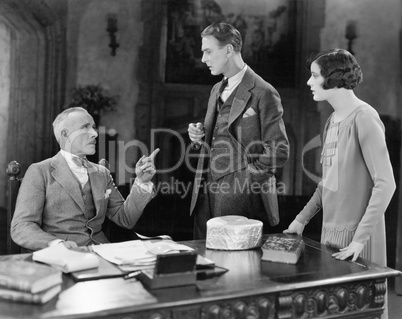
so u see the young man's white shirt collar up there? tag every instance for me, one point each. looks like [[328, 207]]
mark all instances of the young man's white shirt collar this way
[[233, 82]]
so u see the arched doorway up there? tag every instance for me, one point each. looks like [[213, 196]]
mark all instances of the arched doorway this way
[[32, 72]]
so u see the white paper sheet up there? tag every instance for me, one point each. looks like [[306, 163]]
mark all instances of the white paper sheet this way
[[137, 252]]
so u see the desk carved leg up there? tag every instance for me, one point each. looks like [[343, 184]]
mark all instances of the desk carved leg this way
[[380, 288]]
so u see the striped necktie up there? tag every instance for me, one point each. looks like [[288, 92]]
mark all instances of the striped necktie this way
[[81, 161]]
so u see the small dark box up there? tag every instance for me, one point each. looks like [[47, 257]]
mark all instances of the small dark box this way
[[171, 270], [175, 263]]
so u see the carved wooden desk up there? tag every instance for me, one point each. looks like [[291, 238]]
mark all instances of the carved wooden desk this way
[[318, 286]]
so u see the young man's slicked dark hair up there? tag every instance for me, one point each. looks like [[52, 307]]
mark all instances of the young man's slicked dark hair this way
[[225, 34]]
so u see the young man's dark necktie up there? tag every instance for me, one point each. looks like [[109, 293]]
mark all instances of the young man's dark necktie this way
[[219, 101]]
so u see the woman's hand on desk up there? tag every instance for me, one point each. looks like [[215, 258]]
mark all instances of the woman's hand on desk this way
[[295, 228], [354, 249]]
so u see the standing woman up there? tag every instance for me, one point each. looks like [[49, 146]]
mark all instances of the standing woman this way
[[358, 181]]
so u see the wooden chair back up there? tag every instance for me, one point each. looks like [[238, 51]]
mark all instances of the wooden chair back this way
[[13, 185]]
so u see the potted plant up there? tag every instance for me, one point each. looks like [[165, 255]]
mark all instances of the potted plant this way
[[94, 98]]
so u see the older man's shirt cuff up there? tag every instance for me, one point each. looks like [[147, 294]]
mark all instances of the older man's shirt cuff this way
[[148, 187], [55, 242]]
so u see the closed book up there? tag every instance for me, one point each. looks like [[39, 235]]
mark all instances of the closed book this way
[[282, 248], [28, 276], [27, 297]]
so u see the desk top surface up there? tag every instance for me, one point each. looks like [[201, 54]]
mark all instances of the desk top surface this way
[[247, 275]]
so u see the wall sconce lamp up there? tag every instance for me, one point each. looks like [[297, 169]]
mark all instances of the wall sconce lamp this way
[[351, 34], [112, 29]]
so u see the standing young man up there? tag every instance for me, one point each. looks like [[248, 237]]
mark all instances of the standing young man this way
[[243, 139]]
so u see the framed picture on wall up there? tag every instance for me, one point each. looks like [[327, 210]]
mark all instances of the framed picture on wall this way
[[268, 29]]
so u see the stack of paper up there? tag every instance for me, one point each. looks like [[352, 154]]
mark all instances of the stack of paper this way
[[136, 254]]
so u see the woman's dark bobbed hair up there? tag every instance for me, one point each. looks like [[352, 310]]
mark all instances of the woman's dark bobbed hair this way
[[338, 67]]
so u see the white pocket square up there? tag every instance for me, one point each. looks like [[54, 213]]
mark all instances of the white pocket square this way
[[249, 112], [107, 193]]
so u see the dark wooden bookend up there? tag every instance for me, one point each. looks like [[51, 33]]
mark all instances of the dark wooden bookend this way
[[13, 185]]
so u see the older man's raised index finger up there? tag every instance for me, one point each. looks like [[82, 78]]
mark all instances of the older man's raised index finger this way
[[153, 154]]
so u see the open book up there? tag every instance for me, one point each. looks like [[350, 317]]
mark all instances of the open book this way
[[66, 259]]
